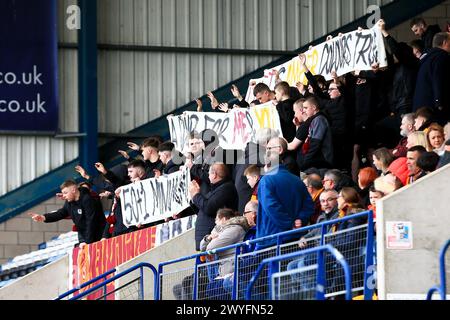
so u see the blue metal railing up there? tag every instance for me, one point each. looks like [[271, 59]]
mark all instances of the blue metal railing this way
[[84, 285], [320, 295], [368, 290], [442, 289], [103, 284]]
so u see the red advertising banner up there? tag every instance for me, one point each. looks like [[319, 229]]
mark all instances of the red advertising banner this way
[[99, 257]]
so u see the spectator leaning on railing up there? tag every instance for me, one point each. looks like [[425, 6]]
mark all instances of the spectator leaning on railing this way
[[86, 213]]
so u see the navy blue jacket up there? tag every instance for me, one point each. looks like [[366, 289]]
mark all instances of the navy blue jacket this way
[[222, 195], [433, 83], [282, 198]]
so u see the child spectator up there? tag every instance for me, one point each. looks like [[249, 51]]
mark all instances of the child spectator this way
[[374, 195], [253, 175], [366, 177], [284, 108]]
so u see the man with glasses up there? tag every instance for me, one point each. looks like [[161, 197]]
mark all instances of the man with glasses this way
[[335, 106], [330, 211], [304, 280], [250, 213], [282, 199], [336, 180], [279, 147]]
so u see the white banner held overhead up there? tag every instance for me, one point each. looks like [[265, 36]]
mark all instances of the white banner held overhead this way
[[155, 198], [235, 128], [356, 50]]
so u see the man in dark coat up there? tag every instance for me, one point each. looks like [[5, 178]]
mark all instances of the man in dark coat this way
[[285, 111], [334, 105], [253, 154], [403, 68], [170, 157], [425, 32], [433, 81], [86, 213], [221, 195], [318, 147]]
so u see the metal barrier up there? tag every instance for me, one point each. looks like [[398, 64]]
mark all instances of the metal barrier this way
[[103, 276], [137, 285], [442, 289], [202, 281], [319, 266], [227, 278]]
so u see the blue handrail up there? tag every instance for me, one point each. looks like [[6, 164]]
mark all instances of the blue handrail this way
[[369, 244], [339, 258], [284, 234], [102, 276], [140, 266], [236, 246], [442, 289]]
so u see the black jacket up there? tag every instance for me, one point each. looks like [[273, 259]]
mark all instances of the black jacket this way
[[433, 83], [364, 100], [116, 219], [222, 195], [404, 75], [150, 166], [286, 113], [334, 109], [428, 36], [317, 150], [171, 167], [87, 215], [253, 154]]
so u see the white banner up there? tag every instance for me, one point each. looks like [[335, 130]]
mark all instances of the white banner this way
[[173, 228], [356, 50], [155, 198], [235, 128]]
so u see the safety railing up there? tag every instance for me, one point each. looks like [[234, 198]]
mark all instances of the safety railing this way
[[307, 285], [103, 277], [442, 288], [208, 280], [135, 287]]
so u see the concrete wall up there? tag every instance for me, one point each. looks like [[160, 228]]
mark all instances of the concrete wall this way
[[410, 273], [21, 235], [44, 284], [180, 246]]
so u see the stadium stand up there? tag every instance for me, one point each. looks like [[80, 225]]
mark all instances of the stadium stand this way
[[342, 125], [48, 252]]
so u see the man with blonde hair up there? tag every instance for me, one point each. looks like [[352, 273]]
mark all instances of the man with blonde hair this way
[[86, 213]]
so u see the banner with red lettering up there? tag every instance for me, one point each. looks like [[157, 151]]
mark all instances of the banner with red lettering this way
[[356, 50], [100, 257], [97, 258], [235, 128]]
